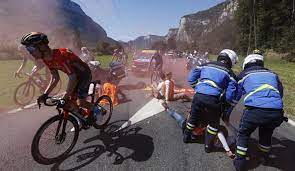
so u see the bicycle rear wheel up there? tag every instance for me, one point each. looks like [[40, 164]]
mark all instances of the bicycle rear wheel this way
[[24, 93], [106, 105], [53, 137]]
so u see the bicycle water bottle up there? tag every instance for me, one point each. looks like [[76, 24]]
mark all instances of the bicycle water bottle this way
[[90, 90]]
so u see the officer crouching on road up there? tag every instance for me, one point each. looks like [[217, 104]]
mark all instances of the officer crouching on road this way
[[211, 81], [264, 106]]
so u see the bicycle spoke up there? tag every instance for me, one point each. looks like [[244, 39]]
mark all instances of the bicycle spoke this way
[[52, 143]]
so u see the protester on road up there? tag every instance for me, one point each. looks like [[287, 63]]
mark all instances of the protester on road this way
[[165, 90]]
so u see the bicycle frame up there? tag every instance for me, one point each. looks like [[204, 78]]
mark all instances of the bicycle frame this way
[[33, 79], [79, 116]]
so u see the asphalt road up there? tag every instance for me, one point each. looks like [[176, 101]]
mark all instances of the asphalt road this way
[[151, 144]]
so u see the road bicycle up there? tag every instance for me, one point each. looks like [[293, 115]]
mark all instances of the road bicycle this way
[[59, 134], [156, 76], [25, 92]]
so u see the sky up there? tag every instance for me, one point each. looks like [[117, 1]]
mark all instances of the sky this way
[[128, 19]]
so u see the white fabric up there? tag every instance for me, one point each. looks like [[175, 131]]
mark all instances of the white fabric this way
[[161, 90], [85, 57], [223, 141], [94, 63]]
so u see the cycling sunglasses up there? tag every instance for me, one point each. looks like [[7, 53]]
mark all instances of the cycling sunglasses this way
[[31, 49]]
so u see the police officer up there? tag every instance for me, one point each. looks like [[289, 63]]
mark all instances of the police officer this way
[[263, 106], [211, 81]]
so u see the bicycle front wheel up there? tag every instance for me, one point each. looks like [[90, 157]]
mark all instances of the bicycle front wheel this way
[[55, 139], [106, 106], [24, 93], [155, 79]]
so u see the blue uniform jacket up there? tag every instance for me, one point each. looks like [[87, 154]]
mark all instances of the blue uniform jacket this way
[[214, 78], [261, 87]]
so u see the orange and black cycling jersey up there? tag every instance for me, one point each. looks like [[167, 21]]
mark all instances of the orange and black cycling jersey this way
[[66, 61]]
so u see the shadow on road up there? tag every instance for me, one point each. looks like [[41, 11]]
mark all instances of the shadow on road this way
[[141, 145], [282, 154]]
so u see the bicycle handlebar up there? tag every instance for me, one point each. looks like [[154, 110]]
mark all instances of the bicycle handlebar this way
[[53, 101]]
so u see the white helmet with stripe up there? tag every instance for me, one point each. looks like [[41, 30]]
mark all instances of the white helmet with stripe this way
[[252, 58], [231, 54]]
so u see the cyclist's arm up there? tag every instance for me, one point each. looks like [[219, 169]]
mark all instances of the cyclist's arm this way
[[39, 65], [53, 82]]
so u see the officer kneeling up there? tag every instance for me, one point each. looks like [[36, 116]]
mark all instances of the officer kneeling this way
[[211, 81], [263, 106]]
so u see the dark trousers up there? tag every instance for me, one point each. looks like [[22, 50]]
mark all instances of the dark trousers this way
[[205, 109], [264, 119]]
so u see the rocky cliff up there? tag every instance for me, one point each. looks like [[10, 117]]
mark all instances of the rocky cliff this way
[[145, 42], [210, 29]]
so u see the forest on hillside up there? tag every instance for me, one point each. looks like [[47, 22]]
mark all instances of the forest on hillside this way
[[266, 24]]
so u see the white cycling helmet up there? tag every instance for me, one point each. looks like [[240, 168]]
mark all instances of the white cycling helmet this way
[[252, 58], [84, 49], [231, 54]]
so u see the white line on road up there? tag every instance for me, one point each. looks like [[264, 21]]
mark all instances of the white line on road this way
[[152, 108], [29, 106], [291, 122]]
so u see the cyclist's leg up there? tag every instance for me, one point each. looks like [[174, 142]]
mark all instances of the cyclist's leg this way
[[82, 92]]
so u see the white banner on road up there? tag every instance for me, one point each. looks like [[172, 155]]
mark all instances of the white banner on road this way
[[152, 108]]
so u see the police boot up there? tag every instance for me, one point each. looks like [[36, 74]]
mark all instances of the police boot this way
[[209, 139], [187, 136], [240, 163]]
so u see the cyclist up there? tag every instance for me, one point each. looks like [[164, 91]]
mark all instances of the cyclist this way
[[263, 102], [212, 81], [118, 54], [66, 61], [85, 55], [37, 67], [158, 63]]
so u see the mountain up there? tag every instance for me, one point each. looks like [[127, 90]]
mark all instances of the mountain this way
[[210, 29], [172, 33], [145, 42], [63, 20]]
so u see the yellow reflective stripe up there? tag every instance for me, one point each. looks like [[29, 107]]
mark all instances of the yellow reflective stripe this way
[[264, 86], [211, 132], [263, 149], [243, 153], [189, 127], [210, 82]]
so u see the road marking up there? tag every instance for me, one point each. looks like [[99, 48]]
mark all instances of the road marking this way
[[28, 106], [151, 108], [22, 108], [291, 122]]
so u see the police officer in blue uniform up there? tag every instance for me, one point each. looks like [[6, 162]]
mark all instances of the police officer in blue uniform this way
[[211, 81], [263, 106]]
